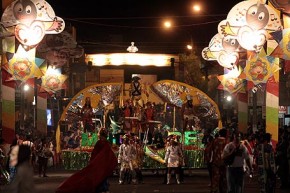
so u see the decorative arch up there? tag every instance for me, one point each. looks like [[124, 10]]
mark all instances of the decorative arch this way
[[101, 96], [169, 91]]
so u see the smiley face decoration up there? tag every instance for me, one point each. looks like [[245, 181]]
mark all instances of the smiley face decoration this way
[[30, 20], [247, 27]]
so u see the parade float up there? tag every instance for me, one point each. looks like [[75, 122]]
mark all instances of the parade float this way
[[168, 97]]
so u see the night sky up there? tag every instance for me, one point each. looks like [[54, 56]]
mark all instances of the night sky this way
[[110, 25]]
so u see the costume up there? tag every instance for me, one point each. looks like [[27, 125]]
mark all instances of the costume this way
[[87, 113], [149, 116], [136, 91], [102, 164], [138, 154], [188, 114], [127, 112], [125, 158], [172, 158]]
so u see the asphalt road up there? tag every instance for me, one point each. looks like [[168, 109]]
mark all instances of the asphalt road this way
[[196, 181]]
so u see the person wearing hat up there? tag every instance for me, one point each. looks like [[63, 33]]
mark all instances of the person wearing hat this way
[[188, 114], [125, 160]]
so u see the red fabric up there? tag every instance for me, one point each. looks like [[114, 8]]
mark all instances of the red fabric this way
[[102, 164], [287, 66]]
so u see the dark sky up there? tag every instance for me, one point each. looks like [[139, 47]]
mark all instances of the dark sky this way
[[110, 25]]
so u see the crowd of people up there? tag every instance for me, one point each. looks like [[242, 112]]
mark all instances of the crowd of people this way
[[42, 154], [229, 159]]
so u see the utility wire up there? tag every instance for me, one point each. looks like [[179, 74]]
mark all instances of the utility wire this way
[[156, 17], [142, 27]]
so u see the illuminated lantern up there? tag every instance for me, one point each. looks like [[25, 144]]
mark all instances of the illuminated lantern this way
[[225, 50], [30, 20], [250, 22]]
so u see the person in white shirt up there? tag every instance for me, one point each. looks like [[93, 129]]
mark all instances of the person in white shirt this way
[[172, 159], [125, 159], [235, 170]]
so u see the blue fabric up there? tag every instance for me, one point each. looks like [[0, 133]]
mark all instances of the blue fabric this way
[[12, 173]]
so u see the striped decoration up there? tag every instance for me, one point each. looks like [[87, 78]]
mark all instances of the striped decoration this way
[[243, 112], [272, 110], [41, 114], [8, 113]]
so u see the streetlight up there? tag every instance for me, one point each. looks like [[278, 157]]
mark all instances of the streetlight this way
[[26, 87], [168, 25], [229, 98], [196, 8]]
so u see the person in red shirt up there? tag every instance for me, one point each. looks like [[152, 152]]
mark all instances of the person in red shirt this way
[[219, 181]]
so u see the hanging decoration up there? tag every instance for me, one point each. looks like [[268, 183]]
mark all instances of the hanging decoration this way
[[30, 20], [284, 44], [250, 22], [225, 50], [23, 65], [173, 92], [58, 49], [260, 69], [231, 82], [53, 80]]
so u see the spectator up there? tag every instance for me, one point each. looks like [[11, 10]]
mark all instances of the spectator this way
[[43, 154], [235, 171], [219, 182], [23, 180], [282, 160], [266, 165], [208, 156]]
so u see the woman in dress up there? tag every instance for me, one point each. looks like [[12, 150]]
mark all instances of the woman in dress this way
[[172, 159]]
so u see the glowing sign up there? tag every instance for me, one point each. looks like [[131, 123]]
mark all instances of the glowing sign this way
[[117, 59]]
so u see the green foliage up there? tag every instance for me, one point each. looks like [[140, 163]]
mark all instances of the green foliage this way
[[193, 74]]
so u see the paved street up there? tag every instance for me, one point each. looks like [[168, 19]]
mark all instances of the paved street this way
[[195, 182]]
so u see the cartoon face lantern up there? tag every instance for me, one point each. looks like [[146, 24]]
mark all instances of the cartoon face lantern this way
[[257, 16], [223, 49], [250, 22], [30, 20], [25, 11]]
